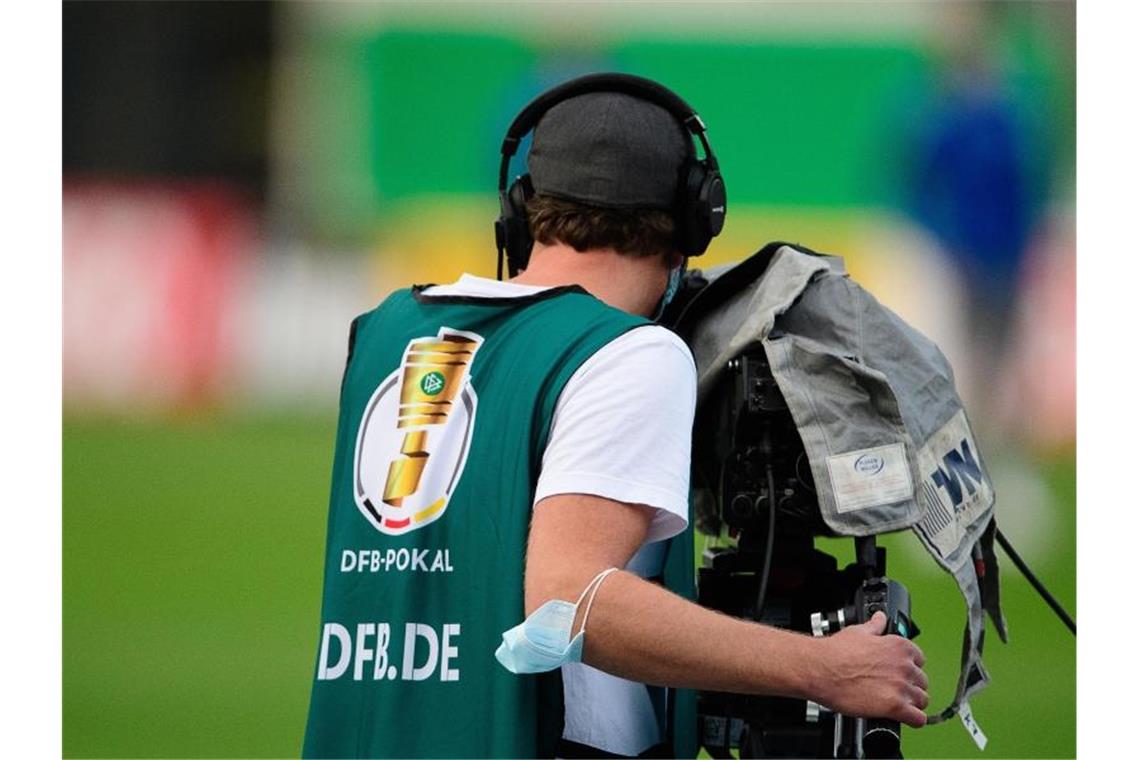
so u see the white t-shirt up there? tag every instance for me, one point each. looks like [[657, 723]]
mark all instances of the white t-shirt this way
[[621, 430]]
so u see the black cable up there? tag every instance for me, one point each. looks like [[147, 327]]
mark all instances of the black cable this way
[[771, 540], [1053, 603]]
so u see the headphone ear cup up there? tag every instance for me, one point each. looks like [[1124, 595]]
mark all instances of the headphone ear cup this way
[[512, 231], [700, 212], [521, 191], [713, 204], [692, 235]]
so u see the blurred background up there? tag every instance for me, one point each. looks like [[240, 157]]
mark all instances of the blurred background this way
[[241, 179]]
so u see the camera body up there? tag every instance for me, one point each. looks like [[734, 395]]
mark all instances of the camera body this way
[[764, 434], [765, 499]]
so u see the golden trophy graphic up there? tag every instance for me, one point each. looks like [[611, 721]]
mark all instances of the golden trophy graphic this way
[[433, 373]]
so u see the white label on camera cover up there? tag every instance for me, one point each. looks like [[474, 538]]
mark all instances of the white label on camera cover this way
[[870, 477], [971, 725]]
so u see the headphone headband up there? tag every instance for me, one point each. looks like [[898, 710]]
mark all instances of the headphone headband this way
[[627, 84]]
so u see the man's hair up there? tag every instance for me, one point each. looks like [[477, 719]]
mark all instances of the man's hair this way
[[634, 232]]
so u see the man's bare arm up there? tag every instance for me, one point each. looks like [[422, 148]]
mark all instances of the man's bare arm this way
[[640, 631]]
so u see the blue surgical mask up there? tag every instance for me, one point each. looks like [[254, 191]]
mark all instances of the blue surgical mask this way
[[542, 642], [672, 287]]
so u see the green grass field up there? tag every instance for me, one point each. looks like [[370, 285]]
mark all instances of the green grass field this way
[[192, 555]]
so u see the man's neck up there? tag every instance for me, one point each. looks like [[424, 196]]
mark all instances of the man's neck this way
[[630, 283]]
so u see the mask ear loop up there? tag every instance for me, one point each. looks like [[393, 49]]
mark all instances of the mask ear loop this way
[[593, 585]]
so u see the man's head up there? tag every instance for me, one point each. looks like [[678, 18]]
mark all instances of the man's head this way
[[613, 166]]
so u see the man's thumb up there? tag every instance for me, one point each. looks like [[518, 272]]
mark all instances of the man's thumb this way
[[877, 624]]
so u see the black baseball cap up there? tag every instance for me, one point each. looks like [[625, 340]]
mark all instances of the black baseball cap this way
[[609, 149]]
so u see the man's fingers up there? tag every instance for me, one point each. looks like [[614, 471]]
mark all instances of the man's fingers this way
[[913, 717], [877, 624], [919, 679], [919, 697]]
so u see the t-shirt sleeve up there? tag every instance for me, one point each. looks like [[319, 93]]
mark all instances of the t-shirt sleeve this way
[[622, 428]]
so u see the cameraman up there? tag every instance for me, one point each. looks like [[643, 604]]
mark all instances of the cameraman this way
[[579, 449]]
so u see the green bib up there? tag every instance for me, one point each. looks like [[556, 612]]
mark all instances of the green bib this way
[[446, 405]]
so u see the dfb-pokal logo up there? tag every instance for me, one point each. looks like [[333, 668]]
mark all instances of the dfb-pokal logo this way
[[415, 433]]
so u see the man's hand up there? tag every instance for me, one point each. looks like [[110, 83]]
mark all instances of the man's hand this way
[[866, 674]]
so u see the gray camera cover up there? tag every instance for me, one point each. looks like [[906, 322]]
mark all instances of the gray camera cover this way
[[887, 437]]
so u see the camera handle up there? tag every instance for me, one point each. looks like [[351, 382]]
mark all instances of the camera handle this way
[[867, 737]]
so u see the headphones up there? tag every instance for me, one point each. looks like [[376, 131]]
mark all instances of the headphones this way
[[698, 211]]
